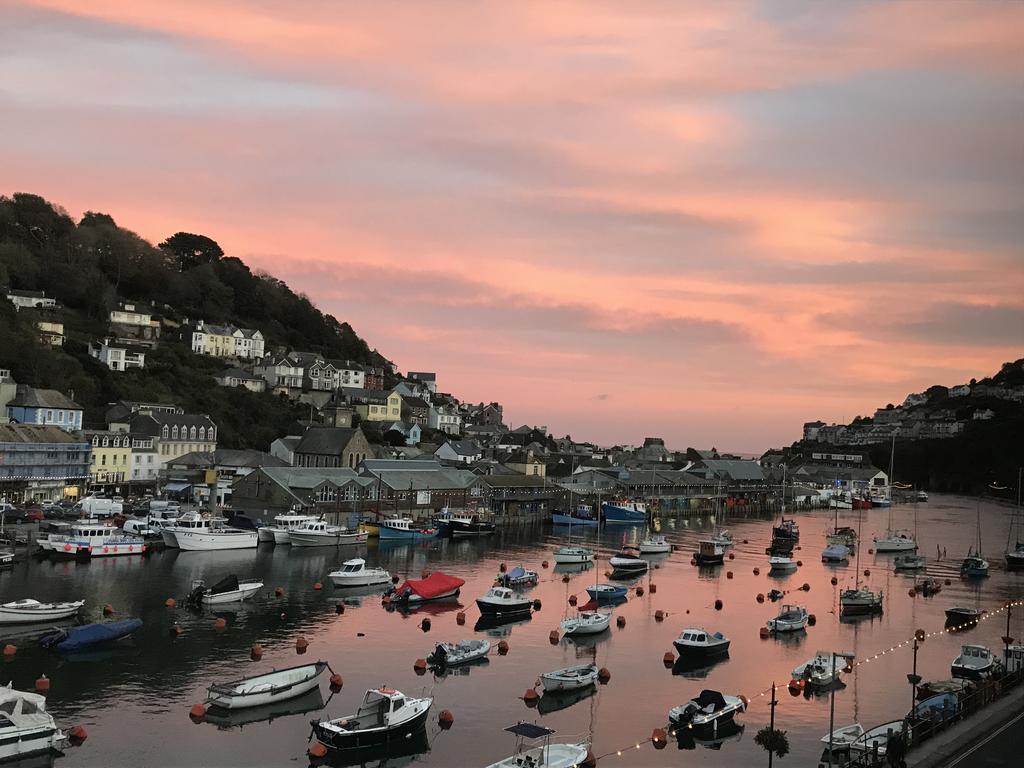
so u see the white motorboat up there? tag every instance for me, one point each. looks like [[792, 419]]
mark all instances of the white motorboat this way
[[859, 600], [697, 642], [354, 573], [975, 662], [911, 562], [655, 545], [570, 555], [569, 678], [709, 553], [835, 553], [93, 538], [269, 688], [227, 590], [587, 623], [193, 531], [319, 533], [187, 521], [502, 601], [385, 716], [781, 564], [707, 710], [627, 562], [790, 619], [27, 611], [278, 532], [895, 541], [546, 755], [26, 728], [922, 496], [823, 670], [462, 652]]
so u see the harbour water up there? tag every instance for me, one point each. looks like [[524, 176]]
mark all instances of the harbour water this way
[[134, 700]]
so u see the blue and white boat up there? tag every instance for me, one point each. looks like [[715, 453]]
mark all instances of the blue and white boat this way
[[582, 515], [404, 528], [624, 511], [606, 593]]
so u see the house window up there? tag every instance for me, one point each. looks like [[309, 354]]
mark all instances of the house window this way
[[174, 432], [192, 433], [202, 433], [165, 432]]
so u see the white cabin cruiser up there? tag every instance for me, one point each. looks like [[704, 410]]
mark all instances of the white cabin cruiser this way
[[655, 545], [547, 755], [502, 601], [269, 688], [319, 533], [975, 662], [569, 678], [707, 710], [385, 716], [587, 623], [28, 611], [354, 573], [791, 618], [835, 553], [278, 532], [93, 538], [781, 564], [627, 562], [697, 642], [196, 532], [26, 728], [859, 600]]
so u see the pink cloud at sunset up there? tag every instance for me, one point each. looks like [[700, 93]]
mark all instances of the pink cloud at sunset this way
[[705, 221]]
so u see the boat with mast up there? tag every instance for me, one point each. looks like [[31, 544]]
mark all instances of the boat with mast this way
[[893, 541], [974, 565], [857, 600], [911, 561], [841, 535], [1014, 544], [570, 554]]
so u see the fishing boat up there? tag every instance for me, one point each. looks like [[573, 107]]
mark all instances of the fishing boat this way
[[823, 670], [93, 538], [28, 611], [354, 573], [518, 577], [787, 530], [975, 662], [437, 586], [462, 652], [655, 544], [26, 728], [911, 562], [227, 590], [268, 688], [627, 562], [835, 553], [502, 601], [370, 528], [962, 617], [278, 532], [195, 532], [404, 528], [974, 566], [709, 553], [569, 678], [461, 524], [560, 518], [781, 564], [708, 710], [586, 623], [624, 511], [698, 643], [546, 755], [791, 618], [606, 593], [319, 533], [89, 635], [385, 716]]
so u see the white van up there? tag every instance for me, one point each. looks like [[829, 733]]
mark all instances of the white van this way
[[93, 506]]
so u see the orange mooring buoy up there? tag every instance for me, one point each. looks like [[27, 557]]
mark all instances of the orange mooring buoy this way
[[317, 586], [812, 620], [279, 591], [765, 633], [108, 609], [728, 574], [760, 597], [502, 567], [170, 602], [639, 591], [806, 587], [867, 571], [536, 604], [912, 592], [620, 621], [603, 675], [337, 681], [659, 615], [531, 697], [834, 581], [256, 652], [757, 571], [395, 579], [301, 644], [339, 608], [654, 588], [446, 719], [659, 738], [732, 556], [800, 563], [572, 599], [198, 712], [544, 564], [10, 650], [502, 647], [553, 636], [669, 658], [220, 624], [420, 665], [460, 618], [43, 684], [565, 578], [718, 605], [317, 751], [425, 624], [77, 734]]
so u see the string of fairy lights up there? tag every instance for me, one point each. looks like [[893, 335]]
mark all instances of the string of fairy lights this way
[[655, 738]]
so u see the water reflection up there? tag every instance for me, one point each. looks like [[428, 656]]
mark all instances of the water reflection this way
[[557, 701], [696, 669]]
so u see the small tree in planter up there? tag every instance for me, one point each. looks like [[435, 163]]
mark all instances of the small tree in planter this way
[[773, 740]]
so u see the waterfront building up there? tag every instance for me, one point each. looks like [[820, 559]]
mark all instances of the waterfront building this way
[[110, 459], [268, 491], [41, 462], [207, 477], [175, 434], [331, 447]]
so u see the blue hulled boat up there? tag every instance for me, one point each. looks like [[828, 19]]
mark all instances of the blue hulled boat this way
[[624, 511], [404, 528], [89, 635], [606, 593]]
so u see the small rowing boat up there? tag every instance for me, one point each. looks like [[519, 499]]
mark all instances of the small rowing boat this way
[[27, 611], [259, 690]]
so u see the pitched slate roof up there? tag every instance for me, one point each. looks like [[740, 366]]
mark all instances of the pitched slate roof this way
[[227, 457], [30, 397], [37, 433], [464, 447], [331, 441]]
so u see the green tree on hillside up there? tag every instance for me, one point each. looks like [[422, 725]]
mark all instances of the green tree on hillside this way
[[192, 250]]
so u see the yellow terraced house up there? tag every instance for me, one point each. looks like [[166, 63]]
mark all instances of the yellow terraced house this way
[[378, 406], [111, 456]]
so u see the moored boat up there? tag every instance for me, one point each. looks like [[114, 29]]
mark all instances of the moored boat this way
[[462, 652], [571, 555], [709, 553], [227, 590], [26, 728], [791, 618], [859, 601], [698, 643], [404, 528], [86, 636], [28, 611], [518, 577], [823, 670], [974, 662], [707, 710], [625, 511], [895, 541], [319, 533], [437, 586], [461, 524], [627, 562], [877, 739], [547, 755], [385, 716], [835, 553], [974, 566], [278, 532], [586, 623], [569, 678], [961, 617], [268, 688], [842, 535], [502, 601], [655, 544], [606, 593], [93, 538], [786, 529], [782, 564], [354, 573]]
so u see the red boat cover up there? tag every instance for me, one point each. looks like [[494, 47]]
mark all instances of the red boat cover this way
[[434, 585]]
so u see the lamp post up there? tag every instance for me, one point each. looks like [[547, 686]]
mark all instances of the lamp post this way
[[913, 678], [771, 725]]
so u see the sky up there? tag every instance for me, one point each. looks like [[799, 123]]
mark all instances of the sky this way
[[709, 222]]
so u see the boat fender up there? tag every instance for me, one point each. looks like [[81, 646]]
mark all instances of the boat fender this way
[[659, 738], [425, 624], [420, 666], [78, 733], [531, 697], [10, 650], [553, 636], [659, 615], [256, 652], [42, 684], [317, 586], [197, 713], [339, 608], [757, 571], [170, 602], [336, 682], [765, 633], [279, 591], [620, 621], [794, 687], [503, 648], [760, 597], [693, 561], [812, 620], [460, 618], [654, 588], [718, 605], [728, 574], [565, 578], [536, 604], [798, 546], [834, 581], [669, 659], [317, 751], [603, 675], [220, 624], [301, 644], [572, 599], [108, 609], [446, 719]]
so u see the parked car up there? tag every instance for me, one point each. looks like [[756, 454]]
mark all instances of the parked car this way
[[34, 515]]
